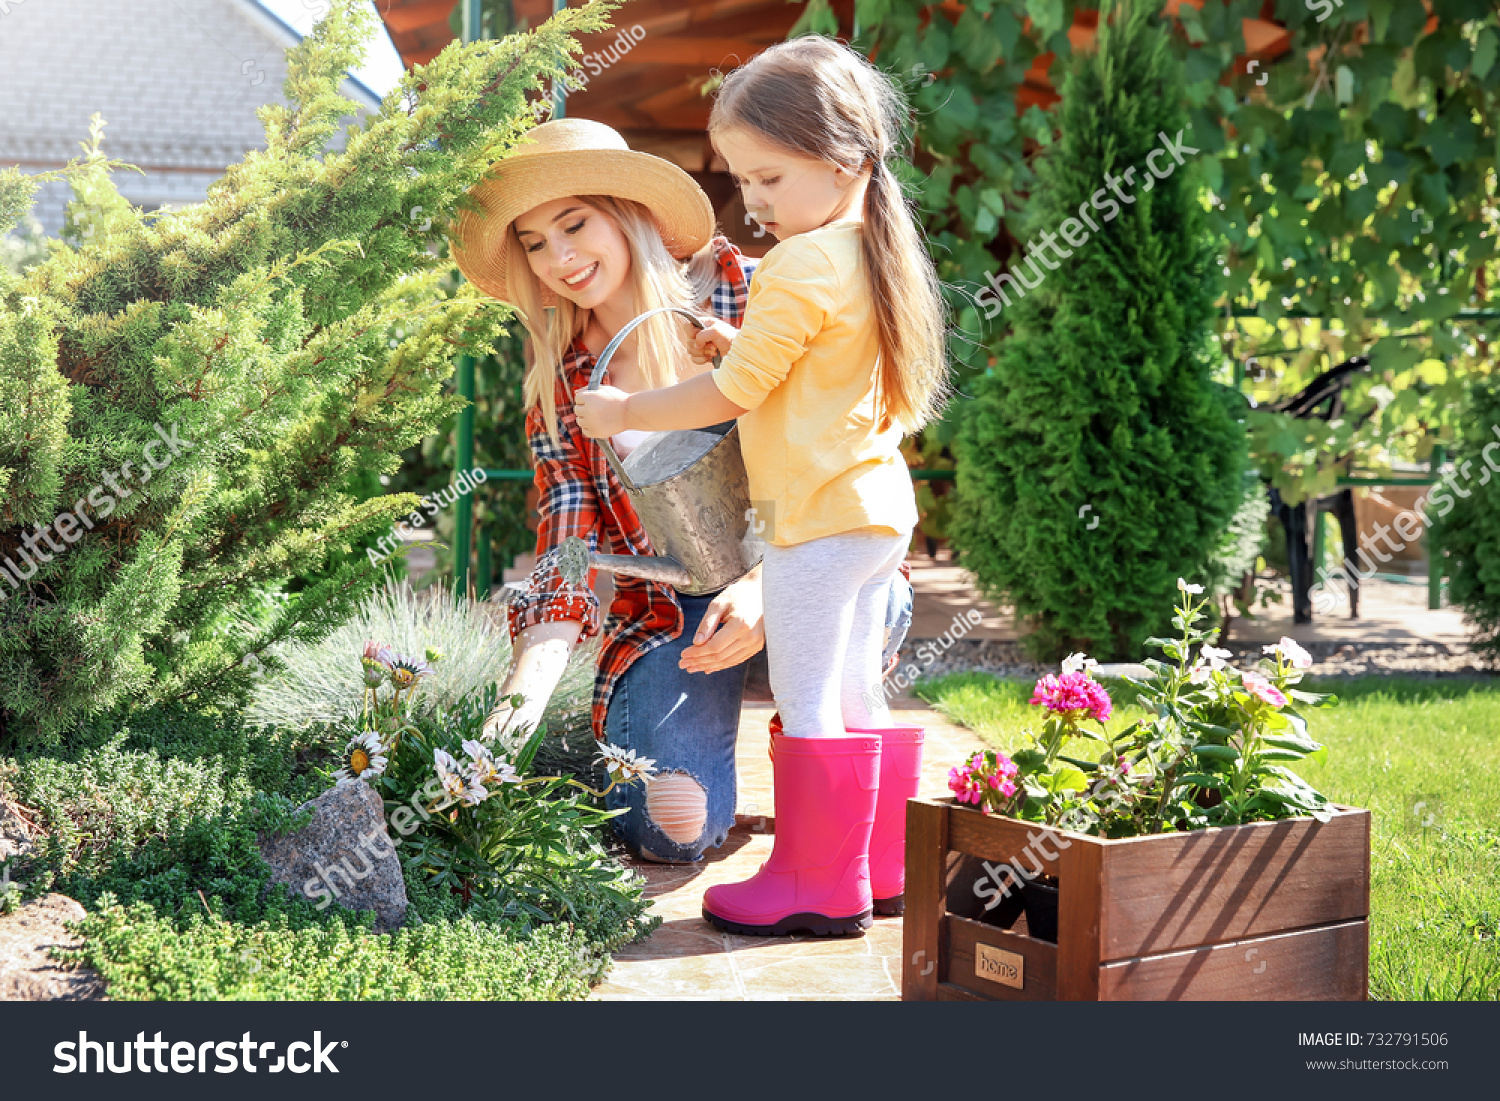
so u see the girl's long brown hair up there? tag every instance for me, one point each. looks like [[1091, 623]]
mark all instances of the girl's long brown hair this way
[[656, 279], [817, 98]]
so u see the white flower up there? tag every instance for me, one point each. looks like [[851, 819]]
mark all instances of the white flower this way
[[623, 765], [456, 786], [1288, 651], [1191, 590], [1199, 672], [484, 769], [1075, 663], [1217, 659], [364, 758]]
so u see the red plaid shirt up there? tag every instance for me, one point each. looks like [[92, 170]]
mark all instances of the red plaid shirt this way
[[580, 495]]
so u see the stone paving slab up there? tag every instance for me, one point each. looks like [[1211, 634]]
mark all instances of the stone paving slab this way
[[688, 959]]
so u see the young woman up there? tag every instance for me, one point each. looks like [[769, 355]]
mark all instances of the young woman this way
[[582, 234]]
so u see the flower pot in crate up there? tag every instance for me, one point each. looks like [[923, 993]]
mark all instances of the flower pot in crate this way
[[1266, 911]]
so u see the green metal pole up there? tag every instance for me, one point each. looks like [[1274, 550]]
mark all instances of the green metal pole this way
[[486, 566], [559, 88], [1434, 551], [1316, 515], [463, 520]]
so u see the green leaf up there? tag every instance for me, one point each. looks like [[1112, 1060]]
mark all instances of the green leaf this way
[[1204, 780], [1007, 28], [1343, 84], [1484, 52], [1217, 752], [1065, 779], [1046, 16]]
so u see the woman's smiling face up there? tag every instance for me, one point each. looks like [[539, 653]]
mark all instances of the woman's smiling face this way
[[577, 251]]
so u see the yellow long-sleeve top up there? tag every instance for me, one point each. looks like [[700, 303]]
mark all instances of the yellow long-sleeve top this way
[[804, 365]]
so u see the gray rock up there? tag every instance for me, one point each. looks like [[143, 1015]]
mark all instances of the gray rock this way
[[15, 838], [28, 973], [343, 857]]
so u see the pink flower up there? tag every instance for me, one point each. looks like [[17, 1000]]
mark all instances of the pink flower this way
[[1263, 689], [965, 785], [1072, 695]]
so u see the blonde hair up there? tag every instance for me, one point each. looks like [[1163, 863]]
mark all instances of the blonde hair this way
[[656, 279], [816, 98]]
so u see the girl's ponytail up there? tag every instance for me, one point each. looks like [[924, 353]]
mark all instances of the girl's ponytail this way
[[909, 309]]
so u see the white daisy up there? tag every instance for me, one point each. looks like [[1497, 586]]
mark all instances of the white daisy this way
[[1191, 590], [484, 769], [457, 787], [364, 758], [623, 765]]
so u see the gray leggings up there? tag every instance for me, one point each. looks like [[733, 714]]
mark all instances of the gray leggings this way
[[825, 612]]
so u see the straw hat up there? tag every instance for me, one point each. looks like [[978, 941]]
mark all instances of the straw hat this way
[[574, 157]]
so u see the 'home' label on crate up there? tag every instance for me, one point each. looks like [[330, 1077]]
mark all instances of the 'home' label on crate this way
[[998, 965]]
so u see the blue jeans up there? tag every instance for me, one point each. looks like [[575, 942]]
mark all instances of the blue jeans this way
[[688, 724]]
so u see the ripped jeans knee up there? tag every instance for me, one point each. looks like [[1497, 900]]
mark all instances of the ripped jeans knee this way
[[677, 805]]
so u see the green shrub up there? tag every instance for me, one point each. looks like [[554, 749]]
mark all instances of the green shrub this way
[[1098, 461], [144, 956], [1239, 550], [164, 813], [256, 330], [1467, 527], [500, 511]]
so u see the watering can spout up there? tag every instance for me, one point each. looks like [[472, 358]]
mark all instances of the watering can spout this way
[[663, 569]]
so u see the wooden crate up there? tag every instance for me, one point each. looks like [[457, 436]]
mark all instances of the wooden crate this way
[[1269, 911]]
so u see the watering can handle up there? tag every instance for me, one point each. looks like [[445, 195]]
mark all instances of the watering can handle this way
[[604, 358], [609, 349]]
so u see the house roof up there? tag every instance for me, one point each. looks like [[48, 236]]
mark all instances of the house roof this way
[[354, 88]]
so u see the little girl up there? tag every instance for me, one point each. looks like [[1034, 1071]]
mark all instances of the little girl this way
[[840, 354]]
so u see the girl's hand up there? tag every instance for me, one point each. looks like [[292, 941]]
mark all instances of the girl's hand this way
[[600, 412], [732, 629], [713, 340]]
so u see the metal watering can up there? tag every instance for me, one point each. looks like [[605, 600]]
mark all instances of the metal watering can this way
[[692, 494]]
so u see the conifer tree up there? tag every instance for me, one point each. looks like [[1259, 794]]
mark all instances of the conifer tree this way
[[1098, 461], [1464, 512], [183, 396]]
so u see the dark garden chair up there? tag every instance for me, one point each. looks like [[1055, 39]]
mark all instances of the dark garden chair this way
[[1322, 398]]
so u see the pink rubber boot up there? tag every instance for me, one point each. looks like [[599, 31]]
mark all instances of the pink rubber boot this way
[[817, 879], [900, 776]]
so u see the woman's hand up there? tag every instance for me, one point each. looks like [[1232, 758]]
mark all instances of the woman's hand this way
[[732, 629], [600, 412], [714, 339]]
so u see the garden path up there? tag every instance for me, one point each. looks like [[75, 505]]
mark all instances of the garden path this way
[[688, 959], [1391, 612]]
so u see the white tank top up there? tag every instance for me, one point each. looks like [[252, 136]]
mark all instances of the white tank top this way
[[628, 441]]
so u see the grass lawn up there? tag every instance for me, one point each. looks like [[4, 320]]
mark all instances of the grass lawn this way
[[1424, 756]]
